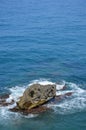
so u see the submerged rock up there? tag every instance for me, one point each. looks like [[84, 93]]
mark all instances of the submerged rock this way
[[36, 95], [3, 101], [36, 110], [4, 96], [62, 97]]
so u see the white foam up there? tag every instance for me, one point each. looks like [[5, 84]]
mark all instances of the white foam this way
[[59, 87], [76, 103], [5, 114], [41, 82], [30, 116], [64, 92], [70, 105], [16, 92]]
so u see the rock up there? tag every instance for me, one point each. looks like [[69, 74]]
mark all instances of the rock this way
[[4, 103], [41, 108], [36, 95], [35, 99], [36, 110], [61, 97], [64, 87], [4, 96], [69, 94], [3, 100]]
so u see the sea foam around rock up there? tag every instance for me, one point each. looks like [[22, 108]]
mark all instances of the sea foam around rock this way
[[75, 103]]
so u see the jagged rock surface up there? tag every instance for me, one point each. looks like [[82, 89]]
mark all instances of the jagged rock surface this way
[[36, 95]]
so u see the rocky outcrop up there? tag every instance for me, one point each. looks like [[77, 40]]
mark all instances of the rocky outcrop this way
[[3, 101], [4, 96], [35, 110], [36, 99], [41, 108], [36, 95]]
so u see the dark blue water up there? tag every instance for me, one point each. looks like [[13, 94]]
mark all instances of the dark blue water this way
[[43, 39]]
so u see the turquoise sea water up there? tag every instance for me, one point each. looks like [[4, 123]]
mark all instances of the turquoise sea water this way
[[44, 40]]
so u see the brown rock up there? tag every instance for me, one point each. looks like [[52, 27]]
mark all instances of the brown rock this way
[[36, 95], [3, 100], [69, 94], [36, 110], [61, 97], [4, 103]]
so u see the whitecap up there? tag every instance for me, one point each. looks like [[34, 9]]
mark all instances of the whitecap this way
[[16, 92], [60, 86], [41, 82]]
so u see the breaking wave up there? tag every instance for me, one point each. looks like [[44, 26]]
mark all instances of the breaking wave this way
[[74, 103]]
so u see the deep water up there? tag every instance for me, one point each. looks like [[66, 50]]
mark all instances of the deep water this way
[[44, 39]]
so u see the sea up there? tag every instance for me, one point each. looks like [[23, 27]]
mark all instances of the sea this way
[[44, 41]]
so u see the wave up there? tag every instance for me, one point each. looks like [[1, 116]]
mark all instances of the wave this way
[[75, 103]]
